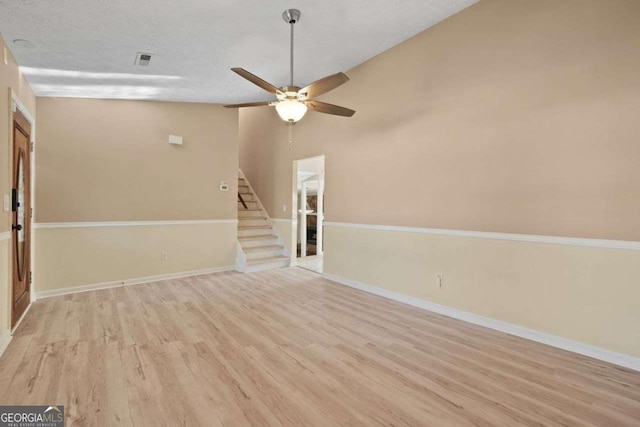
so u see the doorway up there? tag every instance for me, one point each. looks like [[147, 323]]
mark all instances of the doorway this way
[[309, 201], [21, 217]]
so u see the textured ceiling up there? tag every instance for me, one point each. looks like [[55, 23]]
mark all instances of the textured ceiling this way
[[87, 48]]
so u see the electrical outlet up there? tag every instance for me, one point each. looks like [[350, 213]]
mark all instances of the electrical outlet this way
[[6, 203], [284, 208], [440, 280], [163, 256]]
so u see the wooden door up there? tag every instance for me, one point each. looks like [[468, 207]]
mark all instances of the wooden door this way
[[21, 224]]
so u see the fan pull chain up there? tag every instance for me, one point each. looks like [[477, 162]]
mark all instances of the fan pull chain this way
[[290, 135]]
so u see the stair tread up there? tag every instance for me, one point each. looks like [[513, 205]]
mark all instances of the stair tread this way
[[267, 259], [255, 227], [263, 248], [261, 237]]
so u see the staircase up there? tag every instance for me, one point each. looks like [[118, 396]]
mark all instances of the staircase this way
[[259, 246]]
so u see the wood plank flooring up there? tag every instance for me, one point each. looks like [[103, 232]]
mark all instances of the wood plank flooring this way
[[288, 348]]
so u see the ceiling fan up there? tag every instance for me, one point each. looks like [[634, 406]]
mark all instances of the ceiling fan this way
[[292, 102]]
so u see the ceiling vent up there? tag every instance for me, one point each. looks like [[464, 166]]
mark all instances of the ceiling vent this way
[[143, 59]]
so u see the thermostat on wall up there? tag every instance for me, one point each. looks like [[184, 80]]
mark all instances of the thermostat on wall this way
[[224, 186], [174, 139]]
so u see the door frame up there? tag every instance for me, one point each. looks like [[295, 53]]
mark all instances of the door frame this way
[[294, 205], [17, 105]]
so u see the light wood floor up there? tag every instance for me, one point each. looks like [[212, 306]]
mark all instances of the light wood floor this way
[[286, 347], [312, 263]]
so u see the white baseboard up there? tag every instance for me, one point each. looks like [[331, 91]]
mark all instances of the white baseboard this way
[[129, 282], [24, 315], [509, 328], [5, 339]]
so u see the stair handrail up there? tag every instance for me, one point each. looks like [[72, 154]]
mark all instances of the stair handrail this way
[[242, 200]]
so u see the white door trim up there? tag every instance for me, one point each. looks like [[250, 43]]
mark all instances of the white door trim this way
[[294, 203], [17, 104]]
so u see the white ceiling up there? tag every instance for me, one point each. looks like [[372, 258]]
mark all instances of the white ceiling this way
[[87, 48], [311, 166]]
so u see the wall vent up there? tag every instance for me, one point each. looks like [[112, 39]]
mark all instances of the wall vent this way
[[143, 59]]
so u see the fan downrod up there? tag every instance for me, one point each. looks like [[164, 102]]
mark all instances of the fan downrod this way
[[291, 16]]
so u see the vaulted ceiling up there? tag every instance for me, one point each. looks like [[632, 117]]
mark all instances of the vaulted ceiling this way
[[87, 48]]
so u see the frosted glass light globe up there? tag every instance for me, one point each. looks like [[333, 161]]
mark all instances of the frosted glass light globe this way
[[291, 110]]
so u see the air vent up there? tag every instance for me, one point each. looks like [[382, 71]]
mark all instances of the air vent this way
[[143, 59]]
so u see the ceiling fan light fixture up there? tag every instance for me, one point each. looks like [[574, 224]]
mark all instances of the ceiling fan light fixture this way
[[291, 110], [292, 101]]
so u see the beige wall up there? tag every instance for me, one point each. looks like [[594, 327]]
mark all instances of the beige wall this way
[[585, 294], [10, 79], [511, 116], [287, 231], [106, 161], [71, 257], [5, 286]]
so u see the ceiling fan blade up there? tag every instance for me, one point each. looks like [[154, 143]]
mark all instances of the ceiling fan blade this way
[[323, 107], [249, 104], [324, 85], [256, 80]]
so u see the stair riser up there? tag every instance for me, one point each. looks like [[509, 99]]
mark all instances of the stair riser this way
[[268, 240], [258, 232], [250, 205], [245, 222], [243, 188], [263, 254], [248, 197], [249, 214], [267, 266]]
